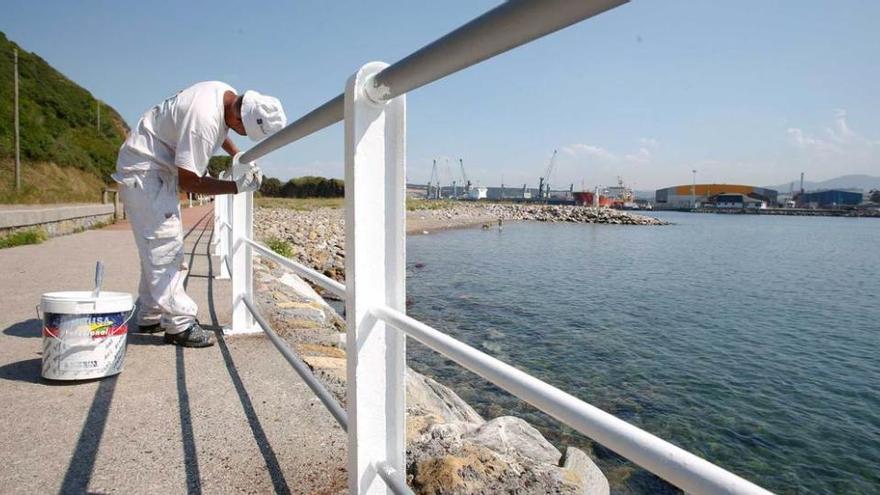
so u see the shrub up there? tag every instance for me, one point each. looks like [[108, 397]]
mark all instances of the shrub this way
[[280, 246], [23, 237]]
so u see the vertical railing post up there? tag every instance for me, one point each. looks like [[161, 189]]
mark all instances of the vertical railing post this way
[[227, 241], [215, 237], [222, 219], [375, 205], [242, 263]]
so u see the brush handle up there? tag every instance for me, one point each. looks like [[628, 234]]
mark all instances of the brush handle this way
[[99, 278]]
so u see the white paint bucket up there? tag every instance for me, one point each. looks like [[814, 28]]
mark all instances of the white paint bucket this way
[[83, 336]]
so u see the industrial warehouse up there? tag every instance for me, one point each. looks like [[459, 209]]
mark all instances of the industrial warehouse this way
[[714, 195], [830, 198]]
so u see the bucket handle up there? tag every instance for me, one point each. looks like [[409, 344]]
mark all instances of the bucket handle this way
[[46, 329]]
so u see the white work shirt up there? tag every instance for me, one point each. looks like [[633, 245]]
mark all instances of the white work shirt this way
[[183, 131]]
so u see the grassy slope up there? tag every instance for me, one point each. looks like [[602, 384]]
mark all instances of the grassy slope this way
[[58, 126], [57, 184]]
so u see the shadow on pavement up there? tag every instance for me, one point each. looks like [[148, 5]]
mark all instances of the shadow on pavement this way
[[82, 461], [272, 464], [28, 371], [28, 329], [190, 453], [146, 339]]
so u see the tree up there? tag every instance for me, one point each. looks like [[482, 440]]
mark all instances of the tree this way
[[271, 187], [217, 164], [313, 187]]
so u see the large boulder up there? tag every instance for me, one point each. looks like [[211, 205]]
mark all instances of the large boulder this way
[[503, 455], [509, 435], [581, 471], [426, 397]]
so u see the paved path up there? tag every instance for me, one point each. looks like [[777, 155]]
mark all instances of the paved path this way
[[230, 418]]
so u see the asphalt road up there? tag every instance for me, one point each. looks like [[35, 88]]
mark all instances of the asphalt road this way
[[230, 418]]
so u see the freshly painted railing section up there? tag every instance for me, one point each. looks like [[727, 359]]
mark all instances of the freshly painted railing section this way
[[222, 233], [373, 107], [677, 466], [375, 247]]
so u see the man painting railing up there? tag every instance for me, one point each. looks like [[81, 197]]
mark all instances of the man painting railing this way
[[170, 148]]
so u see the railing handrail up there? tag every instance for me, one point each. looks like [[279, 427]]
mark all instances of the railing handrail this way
[[503, 28]]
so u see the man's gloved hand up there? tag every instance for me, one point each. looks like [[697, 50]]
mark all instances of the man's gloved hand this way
[[250, 180]]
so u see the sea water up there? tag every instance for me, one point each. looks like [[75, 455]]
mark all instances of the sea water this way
[[752, 341]]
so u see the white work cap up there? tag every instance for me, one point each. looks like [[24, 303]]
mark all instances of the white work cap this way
[[261, 115]]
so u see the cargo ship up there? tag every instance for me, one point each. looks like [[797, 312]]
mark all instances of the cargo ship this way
[[591, 198], [620, 197]]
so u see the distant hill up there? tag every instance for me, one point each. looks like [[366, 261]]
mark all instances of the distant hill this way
[[866, 182], [58, 118]]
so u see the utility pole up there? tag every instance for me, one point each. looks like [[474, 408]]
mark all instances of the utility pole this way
[[17, 138], [694, 190]]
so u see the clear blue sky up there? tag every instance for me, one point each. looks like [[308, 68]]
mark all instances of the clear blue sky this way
[[747, 91]]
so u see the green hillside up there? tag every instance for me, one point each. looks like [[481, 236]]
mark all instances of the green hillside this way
[[58, 118]]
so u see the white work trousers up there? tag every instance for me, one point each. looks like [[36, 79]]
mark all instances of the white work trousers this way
[[152, 207]]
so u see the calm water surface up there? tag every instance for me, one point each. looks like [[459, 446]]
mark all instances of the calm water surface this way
[[751, 341]]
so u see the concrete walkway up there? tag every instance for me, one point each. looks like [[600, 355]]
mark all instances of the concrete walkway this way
[[230, 418]]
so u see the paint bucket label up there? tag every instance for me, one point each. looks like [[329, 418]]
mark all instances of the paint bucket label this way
[[84, 327], [82, 346]]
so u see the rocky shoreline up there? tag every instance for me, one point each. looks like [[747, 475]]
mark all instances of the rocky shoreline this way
[[451, 449], [317, 236]]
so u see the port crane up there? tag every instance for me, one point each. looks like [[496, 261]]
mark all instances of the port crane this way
[[544, 181], [464, 178], [434, 183]]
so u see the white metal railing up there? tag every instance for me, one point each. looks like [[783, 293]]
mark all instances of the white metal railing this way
[[373, 108]]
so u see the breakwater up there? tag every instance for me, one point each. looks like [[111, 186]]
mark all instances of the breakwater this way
[[317, 237]]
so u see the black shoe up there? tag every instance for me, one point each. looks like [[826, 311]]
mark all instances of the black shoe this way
[[154, 328], [194, 336]]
